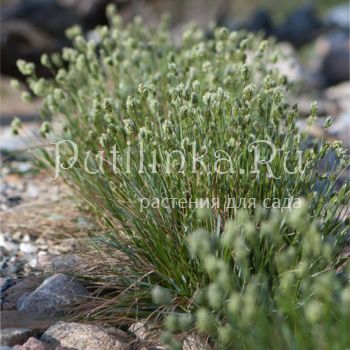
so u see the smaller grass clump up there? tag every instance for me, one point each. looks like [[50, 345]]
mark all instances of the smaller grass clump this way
[[139, 110], [271, 286]]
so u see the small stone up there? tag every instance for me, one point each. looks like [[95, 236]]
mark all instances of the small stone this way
[[32, 344], [58, 263], [52, 295], [26, 238], [140, 330], [14, 336], [194, 342], [27, 248], [6, 243], [83, 337]]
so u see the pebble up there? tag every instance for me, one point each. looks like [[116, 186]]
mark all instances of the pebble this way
[[140, 330], [27, 248]]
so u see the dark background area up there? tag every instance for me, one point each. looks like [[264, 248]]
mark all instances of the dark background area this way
[[314, 35]]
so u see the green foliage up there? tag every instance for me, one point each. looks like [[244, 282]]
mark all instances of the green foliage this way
[[271, 286], [133, 87]]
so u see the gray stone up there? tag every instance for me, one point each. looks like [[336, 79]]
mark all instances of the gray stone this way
[[52, 295], [84, 337], [58, 263], [14, 336]]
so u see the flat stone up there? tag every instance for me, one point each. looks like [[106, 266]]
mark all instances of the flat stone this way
[[14, 336], [84, 337], [53, 295], [22, 319]]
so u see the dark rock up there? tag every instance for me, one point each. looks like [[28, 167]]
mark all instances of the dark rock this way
[[56, 19], [84, 337], [33, 27], [260, 21], [301, 27], [335, 65], [14, 336], [22, 319], [55, 293]]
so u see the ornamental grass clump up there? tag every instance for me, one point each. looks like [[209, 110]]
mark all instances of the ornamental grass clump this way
[[150, 132], [271, 285]]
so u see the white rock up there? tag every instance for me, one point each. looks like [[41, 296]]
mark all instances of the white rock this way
[[84, 337], [27, 248]]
